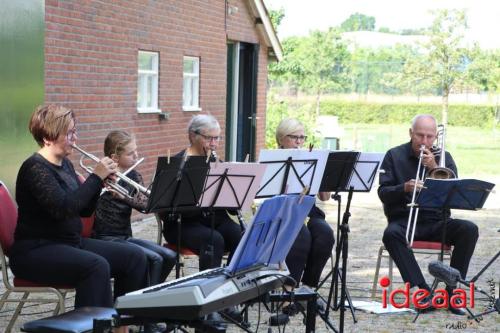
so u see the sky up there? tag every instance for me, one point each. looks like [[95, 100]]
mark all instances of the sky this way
[[301, 16]]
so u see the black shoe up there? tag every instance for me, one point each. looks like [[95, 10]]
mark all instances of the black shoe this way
[[457, 311], [154, 328], [291, 309], [214, 317], [429, 308], [279, 319], [233, 313], [320, 305]]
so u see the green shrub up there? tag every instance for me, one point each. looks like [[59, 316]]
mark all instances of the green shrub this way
[[481, 116]]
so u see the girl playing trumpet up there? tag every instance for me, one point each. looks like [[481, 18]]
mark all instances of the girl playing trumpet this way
[[113, 212]]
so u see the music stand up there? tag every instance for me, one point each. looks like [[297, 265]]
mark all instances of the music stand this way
[[446, 194], [230, 185], [177, 187], [346, 171], [289, 171]]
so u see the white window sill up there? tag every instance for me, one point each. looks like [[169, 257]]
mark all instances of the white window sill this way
[[191, 108], [145, 110]]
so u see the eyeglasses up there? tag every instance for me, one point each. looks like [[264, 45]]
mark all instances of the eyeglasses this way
[[297, 137], [72, 133], [208, 137]]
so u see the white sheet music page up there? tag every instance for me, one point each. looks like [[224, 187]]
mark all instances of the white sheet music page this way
[[306, 169], [237, 187], [366, 171]]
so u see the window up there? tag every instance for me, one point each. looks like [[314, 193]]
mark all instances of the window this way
[[147, 83], [191, 84]]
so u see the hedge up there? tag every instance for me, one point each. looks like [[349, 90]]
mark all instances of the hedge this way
[[373, 113]]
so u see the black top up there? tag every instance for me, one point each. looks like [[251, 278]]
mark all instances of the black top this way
[[400, 165], [112, 214], [316, 213], [51, 200]]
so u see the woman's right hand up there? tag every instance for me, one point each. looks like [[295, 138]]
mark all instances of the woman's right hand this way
[[105, 168]]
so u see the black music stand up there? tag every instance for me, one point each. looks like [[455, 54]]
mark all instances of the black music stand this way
[[177, 187], [346, 171], [446, 194], [290, 171]]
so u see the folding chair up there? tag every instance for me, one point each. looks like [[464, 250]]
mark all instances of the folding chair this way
[[184, 253], [418, 247], [8, 221]]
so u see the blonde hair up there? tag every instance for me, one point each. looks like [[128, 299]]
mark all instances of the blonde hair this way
[[49, 121], [116, 141], [287, 126]]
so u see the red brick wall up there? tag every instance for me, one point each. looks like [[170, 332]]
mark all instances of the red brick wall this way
[[91, 65]]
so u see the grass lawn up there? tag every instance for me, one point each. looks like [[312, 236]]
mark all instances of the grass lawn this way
[[476, 151]]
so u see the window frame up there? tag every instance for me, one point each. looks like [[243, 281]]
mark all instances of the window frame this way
[[155, 74], [192, 76]]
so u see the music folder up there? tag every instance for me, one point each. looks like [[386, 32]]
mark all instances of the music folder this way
[[467, 194], [271, 233]]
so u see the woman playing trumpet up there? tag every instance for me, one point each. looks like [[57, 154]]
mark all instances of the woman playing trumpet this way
[[48, 247]]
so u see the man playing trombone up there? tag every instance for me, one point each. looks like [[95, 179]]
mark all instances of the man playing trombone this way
[[405, 168]]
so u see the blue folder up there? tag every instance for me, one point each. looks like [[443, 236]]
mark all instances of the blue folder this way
[[271, 233], [469, 194]]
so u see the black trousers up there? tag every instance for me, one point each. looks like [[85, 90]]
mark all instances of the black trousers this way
[[199, 236], [87, 267], [310, 252], [462, 234], [161, 260]]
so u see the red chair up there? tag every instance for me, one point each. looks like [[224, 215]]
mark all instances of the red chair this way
[[420, 247], [8, 221], [184, 253]]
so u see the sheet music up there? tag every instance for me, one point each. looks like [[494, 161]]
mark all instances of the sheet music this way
[[365, 171], [237, 190], [308, 168]]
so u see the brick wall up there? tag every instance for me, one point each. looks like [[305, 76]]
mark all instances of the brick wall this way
[[91, 65]]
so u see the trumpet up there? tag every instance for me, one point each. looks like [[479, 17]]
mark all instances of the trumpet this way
[[121, 176]]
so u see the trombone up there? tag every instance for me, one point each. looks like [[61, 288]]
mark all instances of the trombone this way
[[121, 176], [440, 172], [413, 216]]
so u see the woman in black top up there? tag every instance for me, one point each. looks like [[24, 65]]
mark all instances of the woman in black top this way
[[113, 212], [48, 247], [196, 234], [313, 246]]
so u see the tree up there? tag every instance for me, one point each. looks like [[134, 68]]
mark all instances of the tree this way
[[358, 22], [323, 57], [444, 57], [276, 16], [484, 71]]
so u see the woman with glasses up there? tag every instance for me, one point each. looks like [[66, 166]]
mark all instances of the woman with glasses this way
[[48, 248], [313, 246], [196, 233]]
